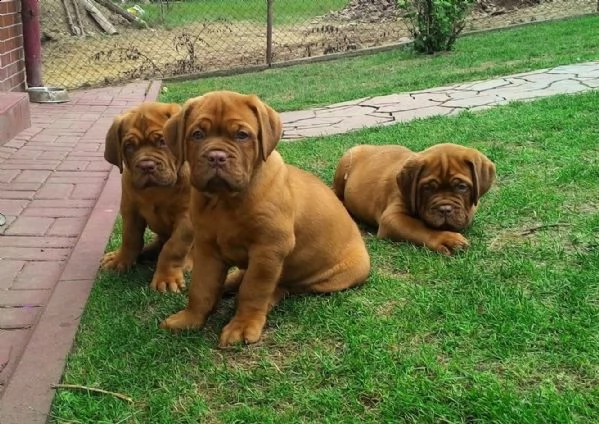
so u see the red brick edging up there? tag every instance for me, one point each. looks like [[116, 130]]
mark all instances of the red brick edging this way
[[52, 222], [28, 396]]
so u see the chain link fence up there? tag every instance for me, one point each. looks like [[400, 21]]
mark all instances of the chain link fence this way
[[97, 42]]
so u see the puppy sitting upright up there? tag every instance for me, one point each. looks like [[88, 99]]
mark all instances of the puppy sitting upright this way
[[155, 193], [426, 198], [282, 227]]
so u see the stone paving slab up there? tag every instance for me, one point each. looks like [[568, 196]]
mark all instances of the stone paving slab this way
[[60, 198], [477, 95]]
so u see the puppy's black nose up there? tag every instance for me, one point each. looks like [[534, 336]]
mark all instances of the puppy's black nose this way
[[445, 209], [217, 158], [147, 166]]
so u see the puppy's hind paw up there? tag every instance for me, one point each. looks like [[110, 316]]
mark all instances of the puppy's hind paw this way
[[183, 320]]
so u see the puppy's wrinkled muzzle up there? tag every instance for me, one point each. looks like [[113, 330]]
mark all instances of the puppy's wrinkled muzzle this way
[[215, 172], [147, 166], [445, 215], [151, 172], [217, 158], [445, 210], [447, 219]]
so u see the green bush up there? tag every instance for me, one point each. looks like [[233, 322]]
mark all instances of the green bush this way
[[435, 24]]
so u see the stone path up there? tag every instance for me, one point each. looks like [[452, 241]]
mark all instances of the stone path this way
[[449, 100], [60, 198]]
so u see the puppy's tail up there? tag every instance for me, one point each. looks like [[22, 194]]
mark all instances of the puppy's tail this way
[[342, 174]]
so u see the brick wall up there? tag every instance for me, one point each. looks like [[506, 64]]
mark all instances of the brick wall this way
[[12, 63]]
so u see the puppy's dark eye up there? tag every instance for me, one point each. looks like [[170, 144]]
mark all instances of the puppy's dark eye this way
[[198, 135], [161, 142], [428, 187], [129, 147], [462, 187], [242, 135]]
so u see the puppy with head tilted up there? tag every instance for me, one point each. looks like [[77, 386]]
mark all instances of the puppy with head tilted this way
[[283, 228], [426, 198], [155, 194]]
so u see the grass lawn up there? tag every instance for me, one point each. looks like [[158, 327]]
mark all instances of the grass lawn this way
[[505, 332], [475, 57], [194, 11]]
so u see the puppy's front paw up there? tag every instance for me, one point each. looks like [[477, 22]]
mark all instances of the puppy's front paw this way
[[448, 242], [188, 266], [116, 261], [173, 282], [241, 330], [183, 320]]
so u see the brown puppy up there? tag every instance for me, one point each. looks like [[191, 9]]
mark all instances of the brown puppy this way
[[155, 193], [426, 198], [283, 228]]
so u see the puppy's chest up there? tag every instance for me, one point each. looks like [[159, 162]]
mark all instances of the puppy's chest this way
[[160, 218], [231, 236], [233, 248]]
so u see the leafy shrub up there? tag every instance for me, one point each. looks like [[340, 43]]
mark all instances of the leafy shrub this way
[[435, 24]]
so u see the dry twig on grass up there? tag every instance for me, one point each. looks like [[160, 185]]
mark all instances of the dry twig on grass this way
[[542, 227], [92, 389]]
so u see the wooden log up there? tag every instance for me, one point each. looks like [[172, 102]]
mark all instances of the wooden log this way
[[98, 16], [108, 4], [67, 11], [78, 17]]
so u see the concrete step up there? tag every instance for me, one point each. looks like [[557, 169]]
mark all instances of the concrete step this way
[[14, 115]]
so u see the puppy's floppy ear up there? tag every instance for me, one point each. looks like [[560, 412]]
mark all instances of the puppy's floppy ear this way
[[174, 134], [171, 109], [112, 146], [270, 126], [483, 175], [407, 181]]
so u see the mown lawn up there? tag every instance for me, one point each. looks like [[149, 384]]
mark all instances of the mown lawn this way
[[480, 56], [173, 14], [505, 332]]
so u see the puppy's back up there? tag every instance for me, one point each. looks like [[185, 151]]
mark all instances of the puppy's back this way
[[317, 203], [365, 163], [365, 179], [325, 229]]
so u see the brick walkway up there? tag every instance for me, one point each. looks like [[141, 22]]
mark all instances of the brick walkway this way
[[60, 199], [58, 218]]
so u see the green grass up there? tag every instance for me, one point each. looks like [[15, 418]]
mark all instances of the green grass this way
[[505, 332], [475, 57], [284, 11]]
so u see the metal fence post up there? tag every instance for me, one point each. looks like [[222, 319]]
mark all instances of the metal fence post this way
[[32, 44], [269, 31]]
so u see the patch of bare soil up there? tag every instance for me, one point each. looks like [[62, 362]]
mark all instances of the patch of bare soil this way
[[151, 53], [533, 235], [73, 62], [527, 11]]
